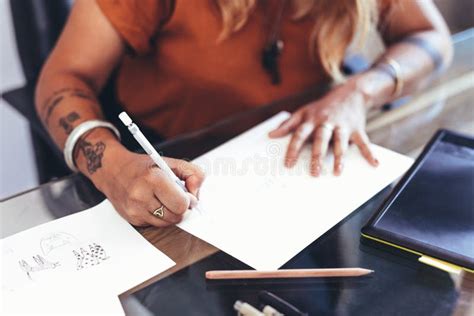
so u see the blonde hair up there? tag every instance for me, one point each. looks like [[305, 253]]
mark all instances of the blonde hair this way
[[336, 24]]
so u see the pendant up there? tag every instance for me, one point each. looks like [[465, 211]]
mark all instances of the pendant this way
[[270, 56]]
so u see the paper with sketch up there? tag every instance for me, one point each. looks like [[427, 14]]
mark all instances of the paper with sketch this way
[[93, 249], [262, 213]]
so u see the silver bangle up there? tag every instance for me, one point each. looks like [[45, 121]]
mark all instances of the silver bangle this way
[[77, 133], [393, 68]]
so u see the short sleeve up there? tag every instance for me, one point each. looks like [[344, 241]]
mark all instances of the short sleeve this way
[[137, 21]]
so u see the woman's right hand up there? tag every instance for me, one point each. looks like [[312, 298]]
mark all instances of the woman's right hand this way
[[136, 187]]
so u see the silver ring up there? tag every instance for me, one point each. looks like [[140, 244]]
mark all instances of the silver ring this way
[[159, 212], [327, 126]]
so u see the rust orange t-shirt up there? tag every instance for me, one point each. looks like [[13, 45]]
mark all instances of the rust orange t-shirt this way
[[178, 78]]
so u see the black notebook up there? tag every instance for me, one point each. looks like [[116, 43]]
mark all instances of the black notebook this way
[[430, 212]]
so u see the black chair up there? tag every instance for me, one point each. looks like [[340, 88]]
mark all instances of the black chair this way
[[37, 25]]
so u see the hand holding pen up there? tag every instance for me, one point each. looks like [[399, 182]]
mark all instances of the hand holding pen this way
[[143, 192]]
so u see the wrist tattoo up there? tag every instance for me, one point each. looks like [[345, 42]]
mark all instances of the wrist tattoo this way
[[93, 154], [66, 121], [58, 96]]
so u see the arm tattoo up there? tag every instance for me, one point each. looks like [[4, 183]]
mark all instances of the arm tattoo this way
[[57, 97], [52, 105], [93, 154], [83, 95], [66, 121]]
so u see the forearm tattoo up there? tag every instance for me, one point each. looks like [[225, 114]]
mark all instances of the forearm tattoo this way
[[67, 121], [58, 96], [93, 154]]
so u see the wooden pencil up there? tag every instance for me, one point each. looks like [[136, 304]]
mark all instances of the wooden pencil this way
[[288, 273]]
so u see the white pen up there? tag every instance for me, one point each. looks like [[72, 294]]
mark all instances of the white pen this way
[[270, 311], [149, 149], [245, 309]]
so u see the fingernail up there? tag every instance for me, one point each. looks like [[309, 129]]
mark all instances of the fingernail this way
[[316, 171], [376, 162], [290, 163], [338, 169], [193, 202]]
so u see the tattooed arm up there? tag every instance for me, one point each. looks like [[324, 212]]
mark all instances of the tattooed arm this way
[[87, 51], [73, 75]]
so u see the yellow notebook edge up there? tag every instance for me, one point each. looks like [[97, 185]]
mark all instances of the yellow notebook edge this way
[[434, 262]]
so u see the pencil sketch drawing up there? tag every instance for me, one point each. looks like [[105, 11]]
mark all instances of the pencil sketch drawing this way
[[56, 240], [41, 264], [88, 258]]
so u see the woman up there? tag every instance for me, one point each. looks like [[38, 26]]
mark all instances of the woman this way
[[182, 65]]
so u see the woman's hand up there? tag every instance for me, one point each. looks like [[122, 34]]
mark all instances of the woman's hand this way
[[338, 117], [137, 187]]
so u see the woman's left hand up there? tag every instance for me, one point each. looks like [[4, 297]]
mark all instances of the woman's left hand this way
[[338, 117]]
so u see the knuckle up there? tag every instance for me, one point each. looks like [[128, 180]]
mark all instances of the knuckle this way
[[182, 205], [323, 117], [291, 157], [356, 135], [319, 135], [318, 140], [286, 123], [316, 150], [339, 133], [316, 157], [197, 170], [135, 219], [151, 177], [179, 219], [133, 213], [176, 219], [186, 167], [292, 149], [300, 114], [135, 192], [298, 133], [157, 173]]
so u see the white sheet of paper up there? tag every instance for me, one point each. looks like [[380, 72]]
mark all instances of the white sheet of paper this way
[[93, 250], [262, 213], [62, 301]]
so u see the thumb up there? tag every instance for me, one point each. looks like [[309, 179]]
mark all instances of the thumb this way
[[286, 127]]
